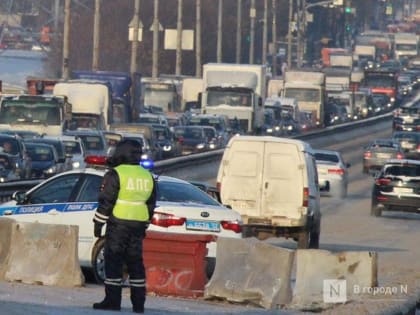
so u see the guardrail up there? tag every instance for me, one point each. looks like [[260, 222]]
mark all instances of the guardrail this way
[[178, 166]]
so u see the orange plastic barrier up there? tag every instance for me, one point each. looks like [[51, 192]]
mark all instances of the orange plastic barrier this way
[[176, 263]]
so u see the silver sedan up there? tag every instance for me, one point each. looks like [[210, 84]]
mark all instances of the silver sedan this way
[[332, 173]]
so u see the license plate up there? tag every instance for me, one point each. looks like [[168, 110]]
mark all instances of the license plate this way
[[203, 226], [402, 190], [383, 155], [407, 145], [322, 171]]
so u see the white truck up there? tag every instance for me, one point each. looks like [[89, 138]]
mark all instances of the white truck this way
[[45, 114], [405, 45], [191, 89], [308, 87], [91, 103], [338, 74], [235, 90], [163, 93], [364, 56]]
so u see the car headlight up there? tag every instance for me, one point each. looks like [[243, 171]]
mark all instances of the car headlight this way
[[269, 130], [167, 148], [277, 128], [392, 99], [51, 170], [76, 164], [2, 180], [200, 146], [144, 157], [212, 146], [289, 127]]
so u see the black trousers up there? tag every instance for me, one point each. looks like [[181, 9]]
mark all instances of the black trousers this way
[[124, 244]]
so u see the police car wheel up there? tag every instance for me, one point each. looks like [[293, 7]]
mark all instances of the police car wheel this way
[[98, 261]]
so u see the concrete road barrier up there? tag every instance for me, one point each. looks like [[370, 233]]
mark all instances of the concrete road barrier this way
[[324, 278], [6, 227], [43, 254], [248, 270]]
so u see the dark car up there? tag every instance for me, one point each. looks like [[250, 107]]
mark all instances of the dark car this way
[[192, 139], [165, 138], [7, 168], [44, 159], [220, 122], [64, 162], [15, 147], [407, 118], [380, 103], [409, 142], [378, 152], [93, 140], [397, 187]]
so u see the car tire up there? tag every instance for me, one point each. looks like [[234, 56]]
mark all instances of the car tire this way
[[98, 261], [375, 210], [343, 192], [314, 239]]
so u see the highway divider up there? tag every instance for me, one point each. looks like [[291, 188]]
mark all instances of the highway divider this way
[[203, 165], [36, 253], [251, 271]]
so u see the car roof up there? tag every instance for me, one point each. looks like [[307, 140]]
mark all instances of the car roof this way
[[332, 152], [402, 162]]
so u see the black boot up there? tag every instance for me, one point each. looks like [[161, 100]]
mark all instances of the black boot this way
[[106, 305], [112, 301], [138, 297]]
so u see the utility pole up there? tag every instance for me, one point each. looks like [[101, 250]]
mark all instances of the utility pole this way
[[219, 31], [66, 40], [265, 26], [155, 50], [252, 15], [179, 39], [56, 14], [198, 39], [96, 30], [134, 46], [274, 38], [289, 36], [299, 32], [238, 31]]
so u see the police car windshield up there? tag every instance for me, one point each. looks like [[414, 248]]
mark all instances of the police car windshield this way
[[181, 192]]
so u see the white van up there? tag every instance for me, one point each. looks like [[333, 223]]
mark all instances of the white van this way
[[273, 183]]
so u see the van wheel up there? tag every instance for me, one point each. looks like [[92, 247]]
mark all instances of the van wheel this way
[[98, 261], [303, 240], [314, 240]]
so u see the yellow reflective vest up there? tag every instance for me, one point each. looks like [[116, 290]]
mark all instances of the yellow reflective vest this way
[[136, 186]]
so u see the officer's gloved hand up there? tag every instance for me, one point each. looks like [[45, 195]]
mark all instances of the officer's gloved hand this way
[[97, 231]]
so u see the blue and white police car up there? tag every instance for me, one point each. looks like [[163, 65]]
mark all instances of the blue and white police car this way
[[71, 198]]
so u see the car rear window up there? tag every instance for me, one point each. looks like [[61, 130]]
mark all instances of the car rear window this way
[[403, 170], [326, 157]]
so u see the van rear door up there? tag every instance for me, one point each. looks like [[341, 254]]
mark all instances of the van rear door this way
[[241, 177], [283, 181]]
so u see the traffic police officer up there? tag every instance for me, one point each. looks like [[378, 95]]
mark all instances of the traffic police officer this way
[[126, 203]]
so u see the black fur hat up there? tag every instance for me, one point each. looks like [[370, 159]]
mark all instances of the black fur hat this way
[[126, 152]]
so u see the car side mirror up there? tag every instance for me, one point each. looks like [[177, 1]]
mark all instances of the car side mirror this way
[[19, 196]]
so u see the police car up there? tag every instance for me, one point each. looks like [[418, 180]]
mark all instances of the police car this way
[[71, 198]]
